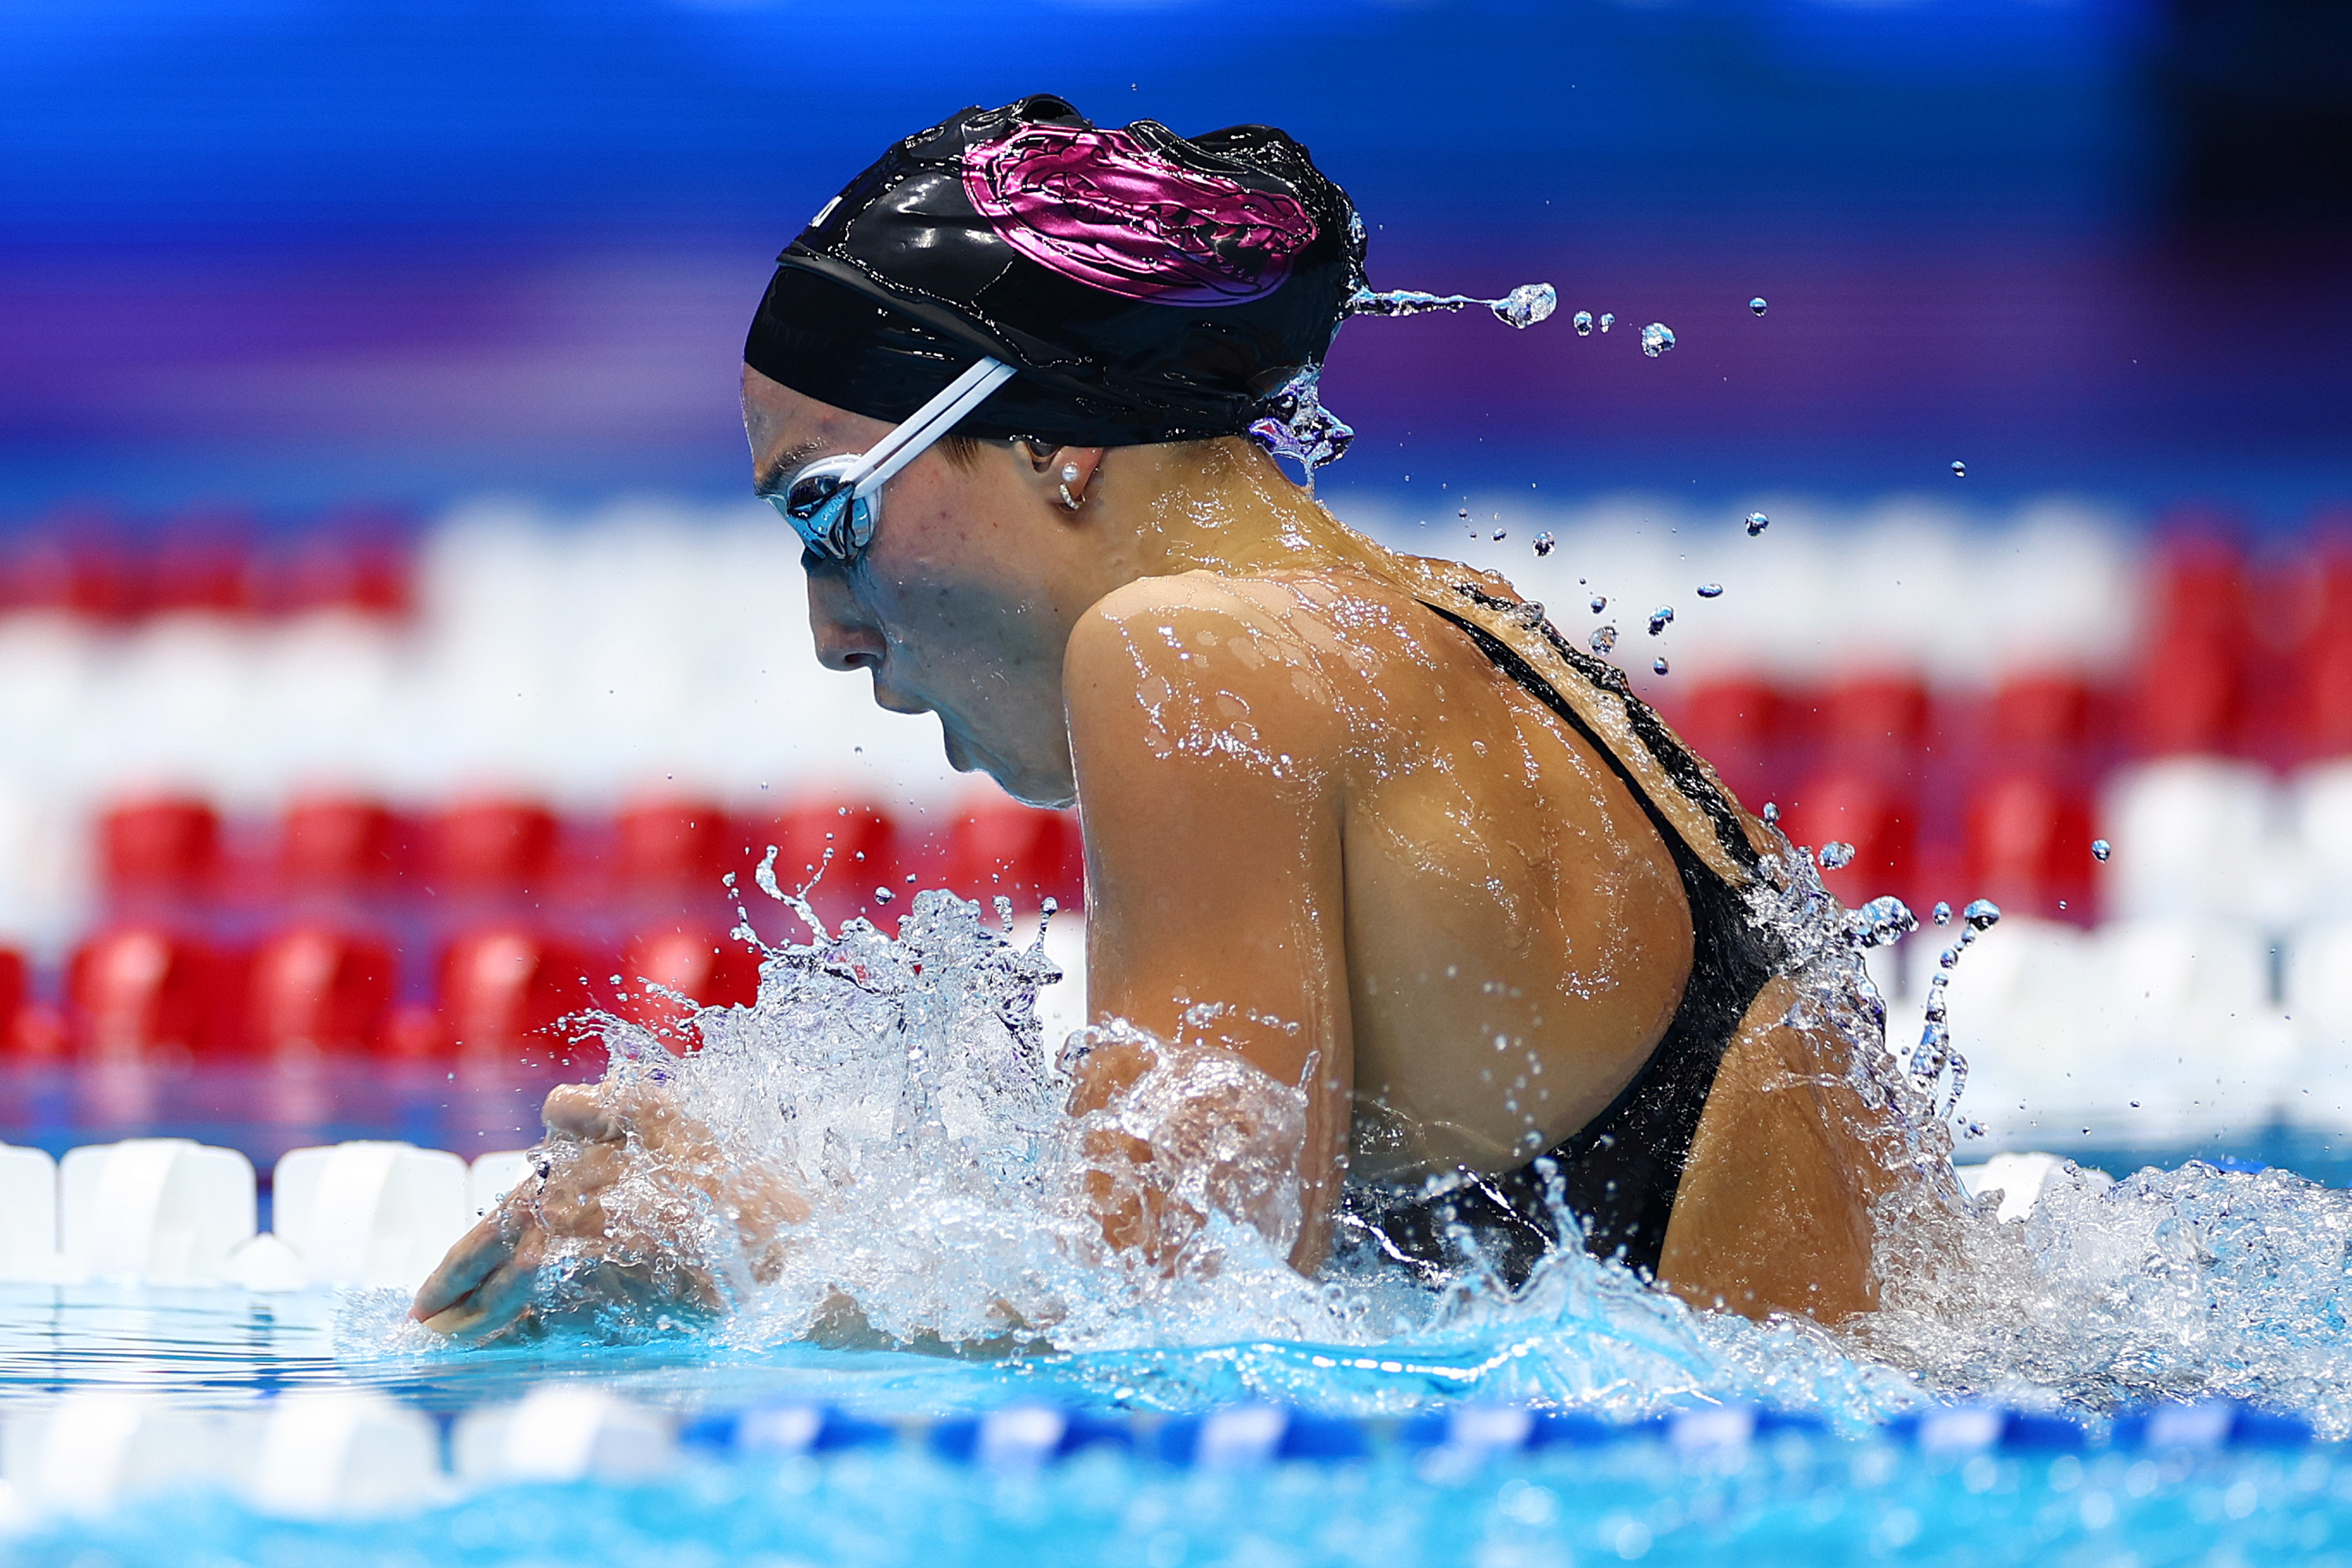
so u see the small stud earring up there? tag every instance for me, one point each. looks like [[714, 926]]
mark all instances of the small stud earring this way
[[1069, 473]]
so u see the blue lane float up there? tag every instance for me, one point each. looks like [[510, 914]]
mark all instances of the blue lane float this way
[[1257, 1435]]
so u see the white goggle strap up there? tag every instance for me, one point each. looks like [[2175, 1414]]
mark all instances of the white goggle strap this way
[[882, 462]]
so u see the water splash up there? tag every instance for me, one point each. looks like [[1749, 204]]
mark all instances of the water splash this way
[[1656, 339], [903, 1085], [1837, 856], [1523, 307], [1296, 425], [1603, 638], [1661, 618]]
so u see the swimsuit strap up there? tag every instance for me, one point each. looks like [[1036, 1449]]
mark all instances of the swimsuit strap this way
[[1618, 1174]]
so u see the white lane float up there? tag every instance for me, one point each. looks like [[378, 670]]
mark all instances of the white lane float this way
[[157, 1210], [370, 1214]]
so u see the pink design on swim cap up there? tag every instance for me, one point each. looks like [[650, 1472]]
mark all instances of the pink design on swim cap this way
[[1100, 207]]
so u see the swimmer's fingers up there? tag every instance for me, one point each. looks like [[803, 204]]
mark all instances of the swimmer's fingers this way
[[582, 1110], [497, 1298], [490, 1243]]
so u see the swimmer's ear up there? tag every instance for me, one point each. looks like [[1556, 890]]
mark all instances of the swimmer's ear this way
[[1065, 473]]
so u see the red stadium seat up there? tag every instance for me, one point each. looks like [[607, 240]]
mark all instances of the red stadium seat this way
[[1875, 715], [2188, 695], [672, 845], [139, 988], [315, 988], [493, 845], [338, 844], [1858, 806], [205, 564], [12, 995], [160, 846], [1738, 725], [351, 561], [501, 985], [2028, 846], [716, 971], [2041, 712], [1000, 847]]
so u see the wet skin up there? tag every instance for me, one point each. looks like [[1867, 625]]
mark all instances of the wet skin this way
[[1322, 830]]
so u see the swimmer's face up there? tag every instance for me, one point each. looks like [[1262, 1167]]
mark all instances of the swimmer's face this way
[[957, 605]]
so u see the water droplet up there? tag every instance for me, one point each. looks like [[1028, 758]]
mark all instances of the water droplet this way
[[1498, 533], [1757, 304], [1941, 914], [1771, 813], [883, 895], [1543, 544], [1660, 618], [1603, 638], [1959, 470], [1656, 339], [1584, 323], [2101, 849], [1710, 590], [1599, 603], [1659, 664], [1463, 512], [1607, 321], [1837, 856], [1882, 920], [1756, 523], [1526, 305], [1982, 915]]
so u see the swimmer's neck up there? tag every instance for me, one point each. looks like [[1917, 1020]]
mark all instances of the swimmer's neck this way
[[1223, 505]]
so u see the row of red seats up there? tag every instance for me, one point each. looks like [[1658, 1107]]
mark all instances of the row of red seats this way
[[2024, 841], [170, 850], [87, 564], [146, 990]]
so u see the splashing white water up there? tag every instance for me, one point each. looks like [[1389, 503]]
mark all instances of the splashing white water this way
[[903, 1086]]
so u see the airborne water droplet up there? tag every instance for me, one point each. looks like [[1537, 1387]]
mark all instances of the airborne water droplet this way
[[2101, 849], [883, 895], [1656, 339], [1607, 321], [1526, 305], [1543, 544], [1603, 638], [1659, 664], [1660, 618], [1771, 813], [1757, 304], [1959, 470], [1837, 856], [1498, 533], [1982, 915], [1599, 603], [1941, 914], [1756, 523], [1584, 323], [1710, 590]]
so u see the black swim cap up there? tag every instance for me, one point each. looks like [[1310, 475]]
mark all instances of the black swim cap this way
[[1147, 287]]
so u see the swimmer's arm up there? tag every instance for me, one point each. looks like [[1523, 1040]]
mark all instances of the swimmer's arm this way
[[1214, 875]]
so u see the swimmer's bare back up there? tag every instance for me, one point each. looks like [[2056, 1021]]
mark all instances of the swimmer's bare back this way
[[1411, 890]]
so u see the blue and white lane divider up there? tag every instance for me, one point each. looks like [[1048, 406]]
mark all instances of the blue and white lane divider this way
[[1248, 1435]]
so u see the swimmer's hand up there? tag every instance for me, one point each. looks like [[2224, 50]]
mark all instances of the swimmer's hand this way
[[643, 1252]]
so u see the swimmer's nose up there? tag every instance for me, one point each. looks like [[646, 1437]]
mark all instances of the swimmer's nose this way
[[845, 640]]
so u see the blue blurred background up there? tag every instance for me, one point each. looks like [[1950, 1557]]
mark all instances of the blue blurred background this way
[[285, 252]]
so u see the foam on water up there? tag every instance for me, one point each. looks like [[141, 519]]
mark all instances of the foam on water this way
[[902, 1085]]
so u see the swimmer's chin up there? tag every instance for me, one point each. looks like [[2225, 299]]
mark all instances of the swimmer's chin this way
[[1054, 794]]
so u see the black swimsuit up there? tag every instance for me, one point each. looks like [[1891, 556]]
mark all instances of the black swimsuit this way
[[1619, 1173]]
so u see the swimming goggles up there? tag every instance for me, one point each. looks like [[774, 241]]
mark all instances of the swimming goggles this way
[[832, 502]]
